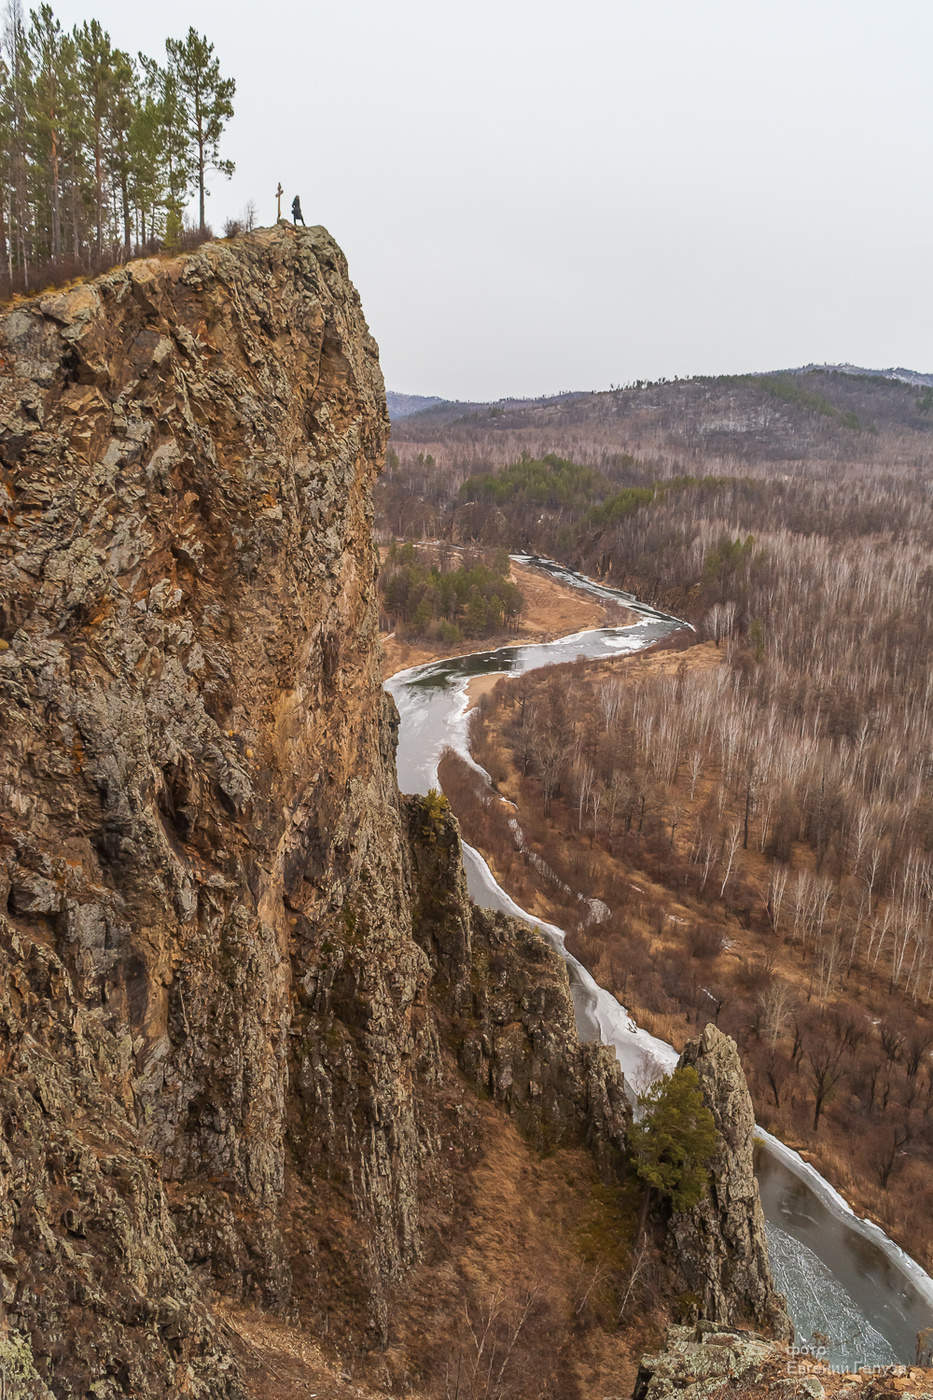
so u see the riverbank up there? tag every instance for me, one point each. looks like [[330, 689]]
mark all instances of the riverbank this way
[[678, 948], [552, 609]]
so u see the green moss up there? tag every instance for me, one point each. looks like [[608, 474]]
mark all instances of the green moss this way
[[19, 1379]]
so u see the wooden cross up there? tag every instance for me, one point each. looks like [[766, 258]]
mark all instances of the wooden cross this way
[[278, 203]]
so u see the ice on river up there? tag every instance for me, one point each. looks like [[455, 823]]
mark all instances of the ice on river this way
[[824, 1313]]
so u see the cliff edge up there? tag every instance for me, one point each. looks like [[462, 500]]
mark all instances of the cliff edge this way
[[195, 792], [258, 1050]]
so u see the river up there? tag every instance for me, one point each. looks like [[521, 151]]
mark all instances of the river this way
[[844, 1280]]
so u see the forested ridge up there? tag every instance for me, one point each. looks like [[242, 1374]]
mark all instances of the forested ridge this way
[[101, 149]]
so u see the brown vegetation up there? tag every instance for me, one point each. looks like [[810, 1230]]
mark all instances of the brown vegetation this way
[[809, 425], [54, 274], [758, 816], [769, 874]]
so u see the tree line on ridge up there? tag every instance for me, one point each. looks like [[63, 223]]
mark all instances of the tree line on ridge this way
[[100, 150]]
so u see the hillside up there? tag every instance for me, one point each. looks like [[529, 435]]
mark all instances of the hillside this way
[[403, 405], [766, 795], [906, 376], [818, 417]]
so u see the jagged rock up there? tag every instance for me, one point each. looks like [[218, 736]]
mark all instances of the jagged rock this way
[[198, 803], [712, 1360], [719, 1248], [504, 1005]]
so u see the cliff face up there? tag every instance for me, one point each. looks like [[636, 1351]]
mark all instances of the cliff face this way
[[720, 1247], [196, 788], [223, 1042], [254, 1041]]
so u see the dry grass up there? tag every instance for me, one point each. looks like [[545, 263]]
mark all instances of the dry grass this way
[[530, 1254], [523, 1257]]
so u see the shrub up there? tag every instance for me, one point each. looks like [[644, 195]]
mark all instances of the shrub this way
[[674, 1139]]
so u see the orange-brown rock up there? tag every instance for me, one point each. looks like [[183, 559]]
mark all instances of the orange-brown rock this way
[[218, 1031]]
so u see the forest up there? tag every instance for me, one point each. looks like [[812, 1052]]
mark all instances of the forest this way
[[448, 598], [101, 149], [754, 806]]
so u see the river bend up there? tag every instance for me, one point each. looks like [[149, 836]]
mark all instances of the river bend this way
[[843, 1278]]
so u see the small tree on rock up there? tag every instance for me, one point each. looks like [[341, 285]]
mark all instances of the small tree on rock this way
[[673, 1140]]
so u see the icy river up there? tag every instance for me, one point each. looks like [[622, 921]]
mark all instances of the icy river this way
[[847, 1285]]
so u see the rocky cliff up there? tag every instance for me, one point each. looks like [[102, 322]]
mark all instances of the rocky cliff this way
[[197, 798], [256, 1045], [720, 1247], [222, 1040]]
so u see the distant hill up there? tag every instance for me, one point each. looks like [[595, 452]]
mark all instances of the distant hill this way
[[906, 376], [813, 415], [407, 405], [404, 405]]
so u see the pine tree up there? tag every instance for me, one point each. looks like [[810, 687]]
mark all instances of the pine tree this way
[[207, 101], [49, 54], [121, 111], [98, 150], [19, 89], [674, 1139], [96, 74], [170, 136], [147, 168], [6, 182]]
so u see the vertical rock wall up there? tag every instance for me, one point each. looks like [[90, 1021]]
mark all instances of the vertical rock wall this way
[[203, 922], [236, 974], [719, 1248]]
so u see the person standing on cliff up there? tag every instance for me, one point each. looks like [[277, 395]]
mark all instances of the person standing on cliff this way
[[297, 216]]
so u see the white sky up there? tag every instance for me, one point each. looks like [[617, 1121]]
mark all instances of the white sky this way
[[538, 195]]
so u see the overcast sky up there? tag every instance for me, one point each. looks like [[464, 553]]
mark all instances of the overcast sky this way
[[537, 196]]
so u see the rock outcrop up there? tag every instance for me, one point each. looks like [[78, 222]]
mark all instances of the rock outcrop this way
[[502, 1004], [719, 1247], [712, 1360], [235, 973]]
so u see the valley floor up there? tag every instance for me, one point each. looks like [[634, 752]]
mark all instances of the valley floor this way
[[551, 610], [677, 959]]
